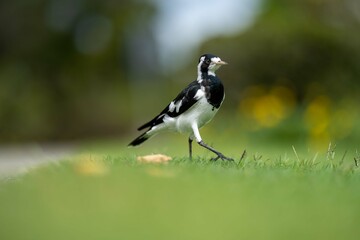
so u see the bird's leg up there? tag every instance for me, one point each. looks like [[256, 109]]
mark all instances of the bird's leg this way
[[219, 154], [201, 143], [190, 148]]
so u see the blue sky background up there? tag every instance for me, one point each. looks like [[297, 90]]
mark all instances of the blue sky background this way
[[182, 25]]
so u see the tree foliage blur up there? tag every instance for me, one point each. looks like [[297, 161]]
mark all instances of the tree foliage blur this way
[[310, 46], [68, 68], [64, 65]]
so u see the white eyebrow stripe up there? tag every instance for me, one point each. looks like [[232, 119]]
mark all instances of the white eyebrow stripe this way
[[215, 59]]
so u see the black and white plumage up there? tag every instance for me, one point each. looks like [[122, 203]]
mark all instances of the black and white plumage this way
[[194, 107]]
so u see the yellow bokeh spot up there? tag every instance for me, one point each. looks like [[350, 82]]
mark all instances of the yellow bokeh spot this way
[[267, 108], [91, 165], [317, 112], [317, 118], [344, 119]]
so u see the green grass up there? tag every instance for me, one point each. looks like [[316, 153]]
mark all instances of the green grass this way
[[106, 194]]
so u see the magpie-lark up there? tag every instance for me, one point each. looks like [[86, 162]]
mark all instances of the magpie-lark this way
[[194, 107]]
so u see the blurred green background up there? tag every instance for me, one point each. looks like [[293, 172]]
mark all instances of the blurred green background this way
[[79, 69]]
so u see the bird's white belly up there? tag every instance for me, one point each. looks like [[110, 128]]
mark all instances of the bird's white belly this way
[[201, 113]]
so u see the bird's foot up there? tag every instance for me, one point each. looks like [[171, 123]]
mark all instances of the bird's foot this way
[[222, 157]]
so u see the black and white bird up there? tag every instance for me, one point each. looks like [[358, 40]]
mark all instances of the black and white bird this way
[[194, 107]]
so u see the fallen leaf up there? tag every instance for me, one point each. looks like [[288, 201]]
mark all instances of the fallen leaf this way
[[154, 158]]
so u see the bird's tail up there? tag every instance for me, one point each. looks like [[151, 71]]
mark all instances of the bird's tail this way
[[140, 139]]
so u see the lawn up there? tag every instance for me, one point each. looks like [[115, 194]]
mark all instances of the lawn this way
[[276, 191]]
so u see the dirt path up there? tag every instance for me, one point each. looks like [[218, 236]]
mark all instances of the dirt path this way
[[16, 159]]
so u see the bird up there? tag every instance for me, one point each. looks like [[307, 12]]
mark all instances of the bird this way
[[192, 108]]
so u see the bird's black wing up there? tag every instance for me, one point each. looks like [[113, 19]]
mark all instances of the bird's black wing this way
[[184, 100]]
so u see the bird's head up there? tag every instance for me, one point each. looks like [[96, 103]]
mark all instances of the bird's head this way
[[209, 63]]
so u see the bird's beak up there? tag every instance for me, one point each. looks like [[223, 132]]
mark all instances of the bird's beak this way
[[221, 63]]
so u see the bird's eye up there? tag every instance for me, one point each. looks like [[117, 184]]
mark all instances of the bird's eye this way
[[207, 61]]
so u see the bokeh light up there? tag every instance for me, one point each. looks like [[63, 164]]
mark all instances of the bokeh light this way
[[267, 107], [317, 119]]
